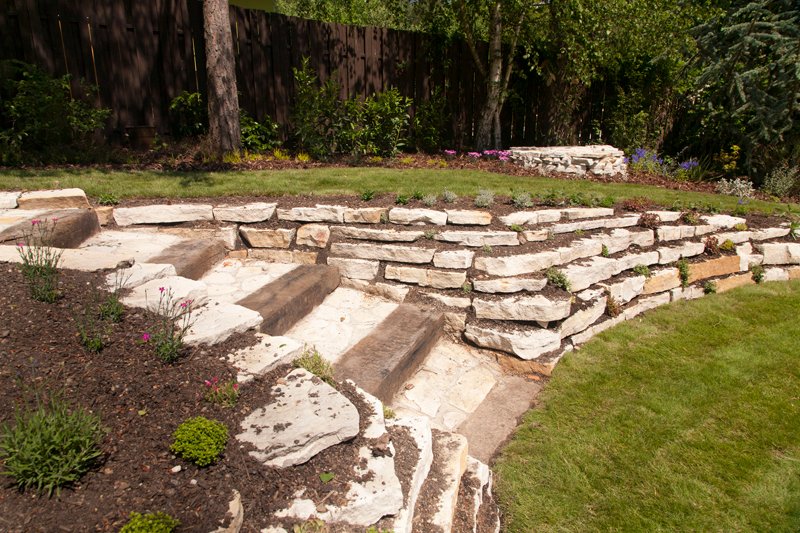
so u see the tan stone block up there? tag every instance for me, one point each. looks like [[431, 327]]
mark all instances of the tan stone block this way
[[794, 273], [267, 238], [662, 280], [732, 282], [105, 214], [283, 256], [714, 267], [237, 254], [315, 235]]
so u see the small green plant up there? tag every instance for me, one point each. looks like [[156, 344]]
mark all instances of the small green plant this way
[[558, 279], [579, 232], [613, 308], [310, 526], [757, 272], [604, 251], [516, 227], [90, 332], [683, 272], [388, 412], [368, 195], [710, 287], [280, 155], [108, 198], [200, 440], [521, 200], [51, 445], [327, 477], [691, 218], [642, 270], [225, 393], [727, 246], [40, 261], [449, 197], [188, 115], [401, 199], [484, 198], [429, 199], [417, 195], [258, 136], [782, 181], [740, 210], [607, 201], [466, 288], [712, 246], [741, 226], [487, 249], [174, 320], [150, 523], [793, 227], [303, 157], [112, 309], [430, 234], [649, 220], [312, 361]]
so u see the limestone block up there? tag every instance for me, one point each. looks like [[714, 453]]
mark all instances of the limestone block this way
[[622, 239], [454, 323], [283, 256], [582, 319], [52, 199], [8, 200], [479, 238], [662, 280], [584, 275], [162, 214], [382, 235], [576, 213], [776, 274], [355, 268], [668, 233], [216, 322], [722, 221], [395, 293], [673, 253], [736, 237], [630, 261], [320, 213], [687, 293], [526, 344], [305, 417], [514, 265], [417, 217], [645, 304], [267, 353], [667, 216], [468, 217], [732, 282], [534, 235], [424, 277], [315, 235], [783, 253], [523, 218], [450, 301], [794, 273], [509, 285], [364, 215], [147, 295], [626, 290], [720, 266], [453, 259], [245, 214], [419, 429], [769, 233], [530, 308], [137, 274], [267, 238], [105, 214], [385, 252]]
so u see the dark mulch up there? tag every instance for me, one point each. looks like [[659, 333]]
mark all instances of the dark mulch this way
[[140, 401]]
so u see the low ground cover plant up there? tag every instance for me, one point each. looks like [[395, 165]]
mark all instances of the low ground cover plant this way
[[200, 440], [312, 361], [224, 393], [150, 523]]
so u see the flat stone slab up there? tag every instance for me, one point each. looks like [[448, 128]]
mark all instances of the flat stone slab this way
[[305, 417], [356, 268], [216, 321], [419, 428], [267, 238], [386, 252], [53, 199], [509, 285], [267, 353], [468, 217], [162, 214], [453, 259], [479, 238], [139, 273], [381, 235], [342, 319], [417, 217], [245, 214], [441, 488], [315, 235], [530, 218], [231, 280], [148, 294], [8, 200], [527, 308], [320, 213], [526, 344], [364, 215], [781, 253], [424, 277]]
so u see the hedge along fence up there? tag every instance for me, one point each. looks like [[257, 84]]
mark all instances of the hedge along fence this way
[[140, 55]]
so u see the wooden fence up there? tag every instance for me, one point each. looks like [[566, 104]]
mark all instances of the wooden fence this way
[[142, 53]]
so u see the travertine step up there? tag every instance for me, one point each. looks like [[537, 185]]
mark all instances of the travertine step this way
[[192, 258], [292, 296], [381, 362], [436, 505]]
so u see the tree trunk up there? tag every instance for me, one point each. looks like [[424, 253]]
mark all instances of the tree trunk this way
[[223, 99], [495, 92]]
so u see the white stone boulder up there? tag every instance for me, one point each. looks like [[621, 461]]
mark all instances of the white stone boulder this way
[[529, 308], [386, 252], [526, 344], [162, 214], [417, 217], [468, 217], [320, 213], [245, 214]]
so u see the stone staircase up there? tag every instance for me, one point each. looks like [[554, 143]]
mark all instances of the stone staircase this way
[[374, 290]]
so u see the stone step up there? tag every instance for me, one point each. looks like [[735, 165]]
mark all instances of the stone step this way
[[216, 321], [292, 296], [382, 361], [436, 505], [192, 258], [267, 353], [63, 228], [179, 289], [476, 511]]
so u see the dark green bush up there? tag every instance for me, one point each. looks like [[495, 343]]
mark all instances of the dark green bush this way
[[384, 122], [150, 523], [430, 123], [188, 115], [50, 446], [200, 440], [317, 113], [39, 118], [258, 136]]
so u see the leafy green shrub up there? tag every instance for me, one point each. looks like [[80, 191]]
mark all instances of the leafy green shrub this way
[[188, 115], [727, 246], [449, 197], [430, 120], [108, 199], [782, 181], [558, 279], [200, 440], [484, 198], [683, 272], [312, 361], [642, 270], [39, 117], [521, 199], [757, 272], [317, 114], [710, 287], [258, 136], [50, 446], [384, 118], [150, 523], [740, 187]]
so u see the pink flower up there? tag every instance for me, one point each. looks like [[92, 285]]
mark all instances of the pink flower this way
[[21, 244], [475, 155], [208, 383], [35, 222], [54, 219], [450, 152], [145, 337], [235, 386], [161, 289], [186, 304]]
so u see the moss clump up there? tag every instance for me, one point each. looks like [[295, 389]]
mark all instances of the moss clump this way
[[200, 440], [150, 523]]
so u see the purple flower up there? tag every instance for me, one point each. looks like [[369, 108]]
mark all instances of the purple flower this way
[[145, 337], [688, 165], [450, 152], [503, 158], [474, 155], [161, 290]]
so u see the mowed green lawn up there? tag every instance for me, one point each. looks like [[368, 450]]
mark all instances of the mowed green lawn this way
[[685, 419], [331, 180]]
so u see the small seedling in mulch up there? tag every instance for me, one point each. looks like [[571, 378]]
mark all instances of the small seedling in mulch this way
[[224, 393], [388, 412], [108, 198], [200, 440], [516, 227], [579, 232], [367, 195], [417, 195], [484, 198], [449, 197], [327, 477], [430, 234], [793, 229], [40, 260], [466, 288], [691, 218], [430, 199], [712, 246], [604, 251], [521, 200], [487, 249], [401, 199], [728, 246], [741, 226], [613, 308]]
